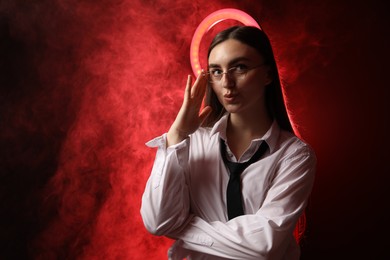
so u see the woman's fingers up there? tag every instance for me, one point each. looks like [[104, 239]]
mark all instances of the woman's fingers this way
[[187, 92], [199, 87], [188, 118]]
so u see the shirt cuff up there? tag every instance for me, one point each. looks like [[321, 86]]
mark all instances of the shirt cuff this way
[[161, 142]]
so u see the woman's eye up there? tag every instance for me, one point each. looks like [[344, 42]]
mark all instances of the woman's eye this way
[[240, 67], [215, 72]]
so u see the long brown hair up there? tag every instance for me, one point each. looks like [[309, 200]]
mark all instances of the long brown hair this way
[[257, 39]]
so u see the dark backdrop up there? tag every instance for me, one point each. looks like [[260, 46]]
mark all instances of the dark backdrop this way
[[83, 85]]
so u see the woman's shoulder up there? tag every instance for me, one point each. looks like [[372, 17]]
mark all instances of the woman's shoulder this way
[[202, 133], [291, 143], [204, 143]]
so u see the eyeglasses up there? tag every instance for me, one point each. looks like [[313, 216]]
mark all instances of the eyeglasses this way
[[236, 72]]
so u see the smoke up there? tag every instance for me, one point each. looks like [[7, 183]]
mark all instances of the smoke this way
[[84, 85]]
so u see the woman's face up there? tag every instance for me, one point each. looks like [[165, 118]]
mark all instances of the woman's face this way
[[242, 88]]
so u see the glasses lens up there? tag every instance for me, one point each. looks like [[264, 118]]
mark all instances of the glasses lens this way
[[215, 75], [238, 72]]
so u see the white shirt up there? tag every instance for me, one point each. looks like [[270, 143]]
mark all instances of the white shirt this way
[[185, 196]]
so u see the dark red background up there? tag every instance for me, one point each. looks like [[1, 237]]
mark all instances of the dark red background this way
[[84, 84]]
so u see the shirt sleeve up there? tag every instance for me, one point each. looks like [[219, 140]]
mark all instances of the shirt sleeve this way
[[165, 202], [269, 232]]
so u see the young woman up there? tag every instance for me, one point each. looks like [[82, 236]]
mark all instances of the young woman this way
[[194, 193]]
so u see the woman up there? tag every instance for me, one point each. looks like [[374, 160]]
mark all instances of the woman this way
[[194, 194]]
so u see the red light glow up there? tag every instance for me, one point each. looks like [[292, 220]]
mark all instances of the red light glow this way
[[84, 84], [211, 20]]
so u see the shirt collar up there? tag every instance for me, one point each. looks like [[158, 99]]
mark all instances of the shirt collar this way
[[271, 136], [220, 127]]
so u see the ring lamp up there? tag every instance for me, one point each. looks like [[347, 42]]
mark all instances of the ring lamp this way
[[208, 23]]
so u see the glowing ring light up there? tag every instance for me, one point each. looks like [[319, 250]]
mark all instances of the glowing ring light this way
[[208, 23]]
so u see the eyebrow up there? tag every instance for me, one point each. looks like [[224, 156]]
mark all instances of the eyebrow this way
[[234, 61]]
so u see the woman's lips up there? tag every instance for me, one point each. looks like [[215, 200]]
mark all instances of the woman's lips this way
[[229, 97]]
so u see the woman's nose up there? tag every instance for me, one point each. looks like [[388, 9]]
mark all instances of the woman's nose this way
[[227, 80]]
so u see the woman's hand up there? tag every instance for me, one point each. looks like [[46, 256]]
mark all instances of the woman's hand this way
[[189, 118]]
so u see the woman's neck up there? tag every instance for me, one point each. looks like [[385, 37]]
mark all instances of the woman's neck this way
[[243, 128]]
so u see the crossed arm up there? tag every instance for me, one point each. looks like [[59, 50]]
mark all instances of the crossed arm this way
[[267, 233]]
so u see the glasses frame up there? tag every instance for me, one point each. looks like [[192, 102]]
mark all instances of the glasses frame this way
[[230, 73]]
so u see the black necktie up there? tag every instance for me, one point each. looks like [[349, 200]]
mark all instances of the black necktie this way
[[233, 193]]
